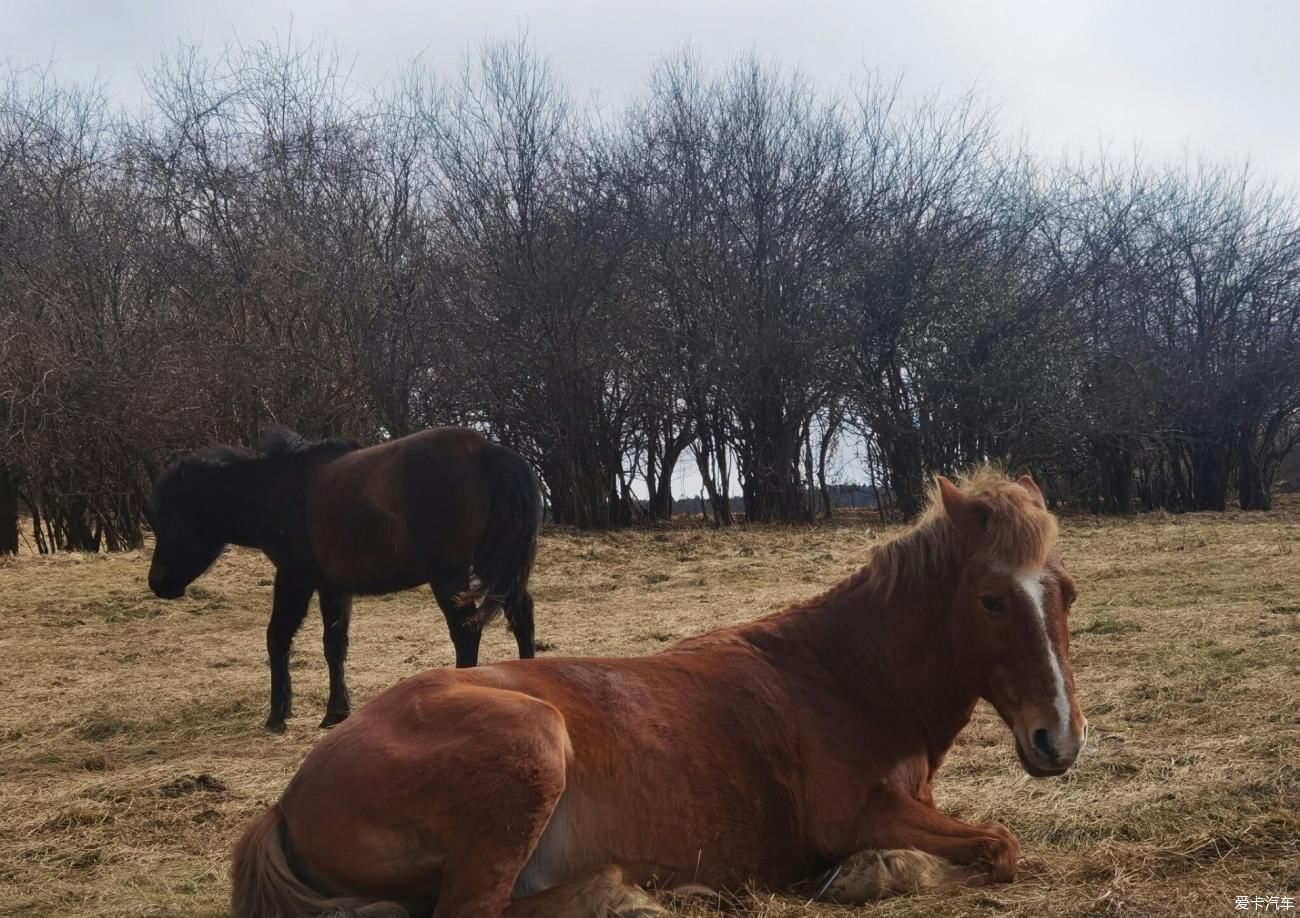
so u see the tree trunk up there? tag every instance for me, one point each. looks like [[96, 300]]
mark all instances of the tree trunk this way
[[902, 460], [770, 463], [1253, 492], [1115, 479], [809, 494], [823, 452], [710, 451], [661, 488], [720, 503], [1210, 476], [8, 513], [1179, 492]]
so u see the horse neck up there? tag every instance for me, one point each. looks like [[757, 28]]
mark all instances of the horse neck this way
[[237, 502], [880, 642]]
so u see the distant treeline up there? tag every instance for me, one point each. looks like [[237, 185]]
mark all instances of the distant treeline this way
[[735, 268], [841, 496]]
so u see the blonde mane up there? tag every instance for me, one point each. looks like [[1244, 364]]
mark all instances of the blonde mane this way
[[1019, 533]]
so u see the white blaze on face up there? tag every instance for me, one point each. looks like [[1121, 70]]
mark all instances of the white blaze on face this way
[[1031, 581]]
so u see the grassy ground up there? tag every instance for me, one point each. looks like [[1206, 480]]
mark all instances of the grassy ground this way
[[132, 752]]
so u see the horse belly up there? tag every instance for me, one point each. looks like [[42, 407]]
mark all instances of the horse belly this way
[[379, 581], [371, 553], [559, 856], [579, 839], [651, 846]]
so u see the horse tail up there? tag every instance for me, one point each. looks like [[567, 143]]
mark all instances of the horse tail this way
[[264, 885], [504, 558]]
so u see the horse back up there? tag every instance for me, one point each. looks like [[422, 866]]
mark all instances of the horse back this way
[[382, 518]]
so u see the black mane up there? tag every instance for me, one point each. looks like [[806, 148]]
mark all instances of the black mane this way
[[217, 454], [277, 443], [280, 441]]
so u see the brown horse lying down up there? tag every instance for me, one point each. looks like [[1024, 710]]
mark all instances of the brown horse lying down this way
[[763, 753]]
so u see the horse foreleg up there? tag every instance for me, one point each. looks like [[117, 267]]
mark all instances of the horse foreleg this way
[[336, 614], [291, 597], [894, 820], [604, 893]]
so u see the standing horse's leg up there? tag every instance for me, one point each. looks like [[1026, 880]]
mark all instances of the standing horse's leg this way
[[292, 596], [336, 614], [519, 613], [464, 620]]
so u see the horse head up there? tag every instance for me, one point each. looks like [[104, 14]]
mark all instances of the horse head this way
[[186, 534], [1009, 632]]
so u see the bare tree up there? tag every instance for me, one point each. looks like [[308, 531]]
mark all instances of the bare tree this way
[[735, 269], [533, 207]]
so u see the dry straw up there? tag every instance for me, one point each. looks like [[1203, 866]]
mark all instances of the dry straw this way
[[131, 748]]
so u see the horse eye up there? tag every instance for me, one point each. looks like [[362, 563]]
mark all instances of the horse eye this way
[[992, 605]]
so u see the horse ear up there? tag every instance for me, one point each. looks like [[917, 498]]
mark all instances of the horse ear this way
[[968, 516], [1034, 491]]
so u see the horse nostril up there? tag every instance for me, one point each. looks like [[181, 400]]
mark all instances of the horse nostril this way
[[1043, 744]]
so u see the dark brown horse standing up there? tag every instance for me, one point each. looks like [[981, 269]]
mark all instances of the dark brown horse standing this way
[[444, 507], [763, 753]]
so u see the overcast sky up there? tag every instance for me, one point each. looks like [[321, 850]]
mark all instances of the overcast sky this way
[[1221, 78]]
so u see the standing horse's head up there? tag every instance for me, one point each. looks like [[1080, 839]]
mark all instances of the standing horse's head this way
[[186, 540], [1009, 631]]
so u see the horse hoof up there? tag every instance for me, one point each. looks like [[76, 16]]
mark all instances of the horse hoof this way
[[871, 875], [333, 718], [634, 902], [275, 726]]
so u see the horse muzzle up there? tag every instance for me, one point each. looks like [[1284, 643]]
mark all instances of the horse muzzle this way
[[1046, 756], [1037, 766], [164, 590]]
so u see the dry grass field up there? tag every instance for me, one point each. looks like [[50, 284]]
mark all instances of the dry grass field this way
[[132, 749]]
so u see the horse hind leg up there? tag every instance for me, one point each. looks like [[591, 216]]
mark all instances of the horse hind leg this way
[[336, 615], [498, 823], [601, 894], [464, 618], [519, 613]]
